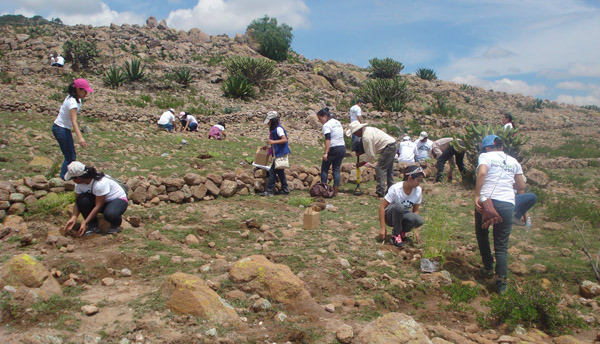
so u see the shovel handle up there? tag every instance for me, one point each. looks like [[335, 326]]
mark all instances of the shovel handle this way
[[357, 170]]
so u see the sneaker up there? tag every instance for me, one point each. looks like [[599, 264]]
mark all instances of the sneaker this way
[[500, 286], [487, 273], [282, 192], [91, 229], [518, 222], [266, 194], [112, 230], [396, 240]]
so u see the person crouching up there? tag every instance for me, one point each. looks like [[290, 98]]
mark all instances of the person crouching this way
[[95, 193]]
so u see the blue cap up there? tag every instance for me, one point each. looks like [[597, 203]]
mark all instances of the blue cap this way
[[488, 141]]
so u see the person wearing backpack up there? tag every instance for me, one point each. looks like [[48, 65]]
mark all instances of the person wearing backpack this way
[[335, 148], [280, 150], [95, 193]]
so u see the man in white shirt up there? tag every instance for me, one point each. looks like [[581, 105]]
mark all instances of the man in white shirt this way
[[167, 120], [59, 61], [374, 142], [424, 146], [356, 115], [407, 151]]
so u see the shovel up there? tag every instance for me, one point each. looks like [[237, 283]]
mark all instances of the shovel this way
[[357, 191]]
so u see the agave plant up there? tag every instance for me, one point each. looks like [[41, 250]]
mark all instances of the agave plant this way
[[114, 77], [237, 86], [426, 74], [386, 94], [183, 76], [135, 70]]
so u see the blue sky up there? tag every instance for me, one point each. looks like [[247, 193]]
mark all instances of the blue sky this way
[[547, 49]]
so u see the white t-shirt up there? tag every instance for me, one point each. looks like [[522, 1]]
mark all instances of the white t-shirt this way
[[280, 132], [64, 114], [103, 187], [220, 127], [166, 117], [500, 176], [396, 194], [192, 119], [334, 127], [508, 125], [423, 148], [407, 151], [60, 60], [355, 112]]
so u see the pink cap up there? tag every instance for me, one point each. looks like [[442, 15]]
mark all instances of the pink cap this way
[[84, 84]]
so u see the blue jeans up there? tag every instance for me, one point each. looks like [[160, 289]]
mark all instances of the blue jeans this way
[[334, 158], [273, 175], [524, 202], [169, 126], [67, 146], [501, 234]]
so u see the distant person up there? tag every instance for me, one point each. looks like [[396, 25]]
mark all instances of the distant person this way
[[497, 174], [167, 120], [67, 120], [356, 114], [335, 147], [95, 193], [217, 131], [58, 61], [523, 202], [443, 151], [400, 207], [375, 141], [507, 121], [279, 148], [424, 146], [188, 122], [407, 151]]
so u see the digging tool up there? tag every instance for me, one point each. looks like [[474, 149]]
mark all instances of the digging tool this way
[[357, 191]]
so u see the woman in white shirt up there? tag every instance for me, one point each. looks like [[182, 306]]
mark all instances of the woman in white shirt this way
[[507, 121], [67, 120], [95, 193], [497, 174], [335, 147]]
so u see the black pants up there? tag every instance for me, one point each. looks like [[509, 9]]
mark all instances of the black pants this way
[[446, 155], [111, 210]]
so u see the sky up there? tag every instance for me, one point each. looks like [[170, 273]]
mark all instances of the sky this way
[[547, 49]]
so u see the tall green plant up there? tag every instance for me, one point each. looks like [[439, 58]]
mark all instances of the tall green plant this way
[[386, 94], [114, 77], [81, 53], [426, 74], [135, 70], [237, 86], [257, 71], [182, 76], [386, 68], [275, 40], [512, 140]]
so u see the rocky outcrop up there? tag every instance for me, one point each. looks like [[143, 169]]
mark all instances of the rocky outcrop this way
[[393, 328], [27, 274]]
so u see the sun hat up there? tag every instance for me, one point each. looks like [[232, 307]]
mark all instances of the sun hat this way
[[354, 127], [271, 115], [488, 141], [423, 135], [75, 169], [84, 84]]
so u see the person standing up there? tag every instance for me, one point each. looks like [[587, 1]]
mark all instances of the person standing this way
[[279, 149], [424, 146], [443, 151], [167, 120], [335, 147], [67, 120], [356, 115], [496, 174], [400, 207], [375, 141], [407, 152]]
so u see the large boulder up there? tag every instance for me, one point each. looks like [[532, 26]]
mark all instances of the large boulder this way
[[189, 294], [393, 328], [589, 289], [228, 188], [25, 272], [275, 281], [537, 177], [41, 161], [151, 22]]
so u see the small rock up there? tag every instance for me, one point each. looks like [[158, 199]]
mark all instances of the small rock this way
[[191, 239], [69, 283], [344, 263], [473, 328], [211, 333], [125, 272], [261, 305], [344, 334], [539, 268], [212, 244], [281, 317], [89, 310], [330, 308], [107, 282]]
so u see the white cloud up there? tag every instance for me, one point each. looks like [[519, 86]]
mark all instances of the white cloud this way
[[573, 85], [502, 85], [233, 16], [104, 16], [581, 69], [579, 100], [497, 52]]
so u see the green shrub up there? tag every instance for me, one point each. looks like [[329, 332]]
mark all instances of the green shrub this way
[[426, 74], [438, 232], [275, 40], [237, 86], [57, 96], [574, 148], [386, 68], [567, 208], [257, 71], [511, 139], [81, 53], [592, 107], [529, 307], [386, 94], [533, 106], [182, 76], [166, 101], [114, 77], [466, 87], [51, 204], [135, 70], [391, 129], [298, 201], [146, 98], [441, 107], [461, 293], [231, 109]]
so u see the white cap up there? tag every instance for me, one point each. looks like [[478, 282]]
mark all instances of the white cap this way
[[423, 135], [270, 115], [75, 169], [406, 138]]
